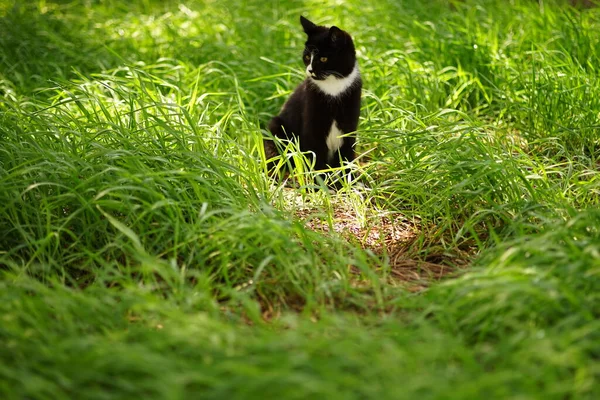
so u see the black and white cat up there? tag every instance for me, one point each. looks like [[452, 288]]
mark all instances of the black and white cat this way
[[326, 105]]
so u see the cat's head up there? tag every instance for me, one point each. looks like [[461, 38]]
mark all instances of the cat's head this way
[[329, 52]]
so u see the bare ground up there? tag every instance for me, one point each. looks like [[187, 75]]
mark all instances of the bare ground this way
[[390, 236]]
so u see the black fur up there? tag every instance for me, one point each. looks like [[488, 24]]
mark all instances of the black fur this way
[[309, 112]]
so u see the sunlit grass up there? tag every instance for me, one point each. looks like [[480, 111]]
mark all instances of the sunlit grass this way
[[144, 249]]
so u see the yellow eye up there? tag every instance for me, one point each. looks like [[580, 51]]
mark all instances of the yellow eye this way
[[307, 57], [323, 59]]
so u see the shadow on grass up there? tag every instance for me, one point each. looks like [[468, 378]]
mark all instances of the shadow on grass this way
[[37, 47], [41, 43]]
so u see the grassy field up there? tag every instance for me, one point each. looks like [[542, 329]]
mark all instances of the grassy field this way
[[143, 251]]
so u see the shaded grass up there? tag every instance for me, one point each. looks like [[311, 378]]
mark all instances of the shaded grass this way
[[142, 247]]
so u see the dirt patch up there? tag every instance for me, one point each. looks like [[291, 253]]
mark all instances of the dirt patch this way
[[390, 236]]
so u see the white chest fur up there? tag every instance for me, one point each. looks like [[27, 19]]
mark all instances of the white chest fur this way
[[334, 140], [334, 86]]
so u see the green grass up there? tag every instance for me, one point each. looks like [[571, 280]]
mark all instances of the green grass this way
[[143, 250]]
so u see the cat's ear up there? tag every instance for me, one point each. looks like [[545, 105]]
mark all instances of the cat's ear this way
[[307, 25], [336, 35]]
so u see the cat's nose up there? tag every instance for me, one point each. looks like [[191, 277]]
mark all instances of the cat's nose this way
[[310, 68]]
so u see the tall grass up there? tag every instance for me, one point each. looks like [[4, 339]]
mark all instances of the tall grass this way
[[144, 250]]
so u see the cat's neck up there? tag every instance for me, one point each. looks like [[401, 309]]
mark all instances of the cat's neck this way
[[334, 86]]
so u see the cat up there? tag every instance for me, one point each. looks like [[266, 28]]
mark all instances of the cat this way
[[326, 105]]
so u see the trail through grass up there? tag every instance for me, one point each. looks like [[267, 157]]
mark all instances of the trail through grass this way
[[144, 251]]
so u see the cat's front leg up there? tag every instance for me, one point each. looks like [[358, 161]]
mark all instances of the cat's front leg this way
[[316, 152], [317, 155], [312, 140], [346, 156]]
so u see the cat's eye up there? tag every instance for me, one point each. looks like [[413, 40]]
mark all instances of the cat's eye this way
[[323, 59], [307, 57]]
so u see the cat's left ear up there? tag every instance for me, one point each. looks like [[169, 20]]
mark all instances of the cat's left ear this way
[[336, 35]]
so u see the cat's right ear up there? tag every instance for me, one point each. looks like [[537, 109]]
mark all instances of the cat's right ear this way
[[307, 25]]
